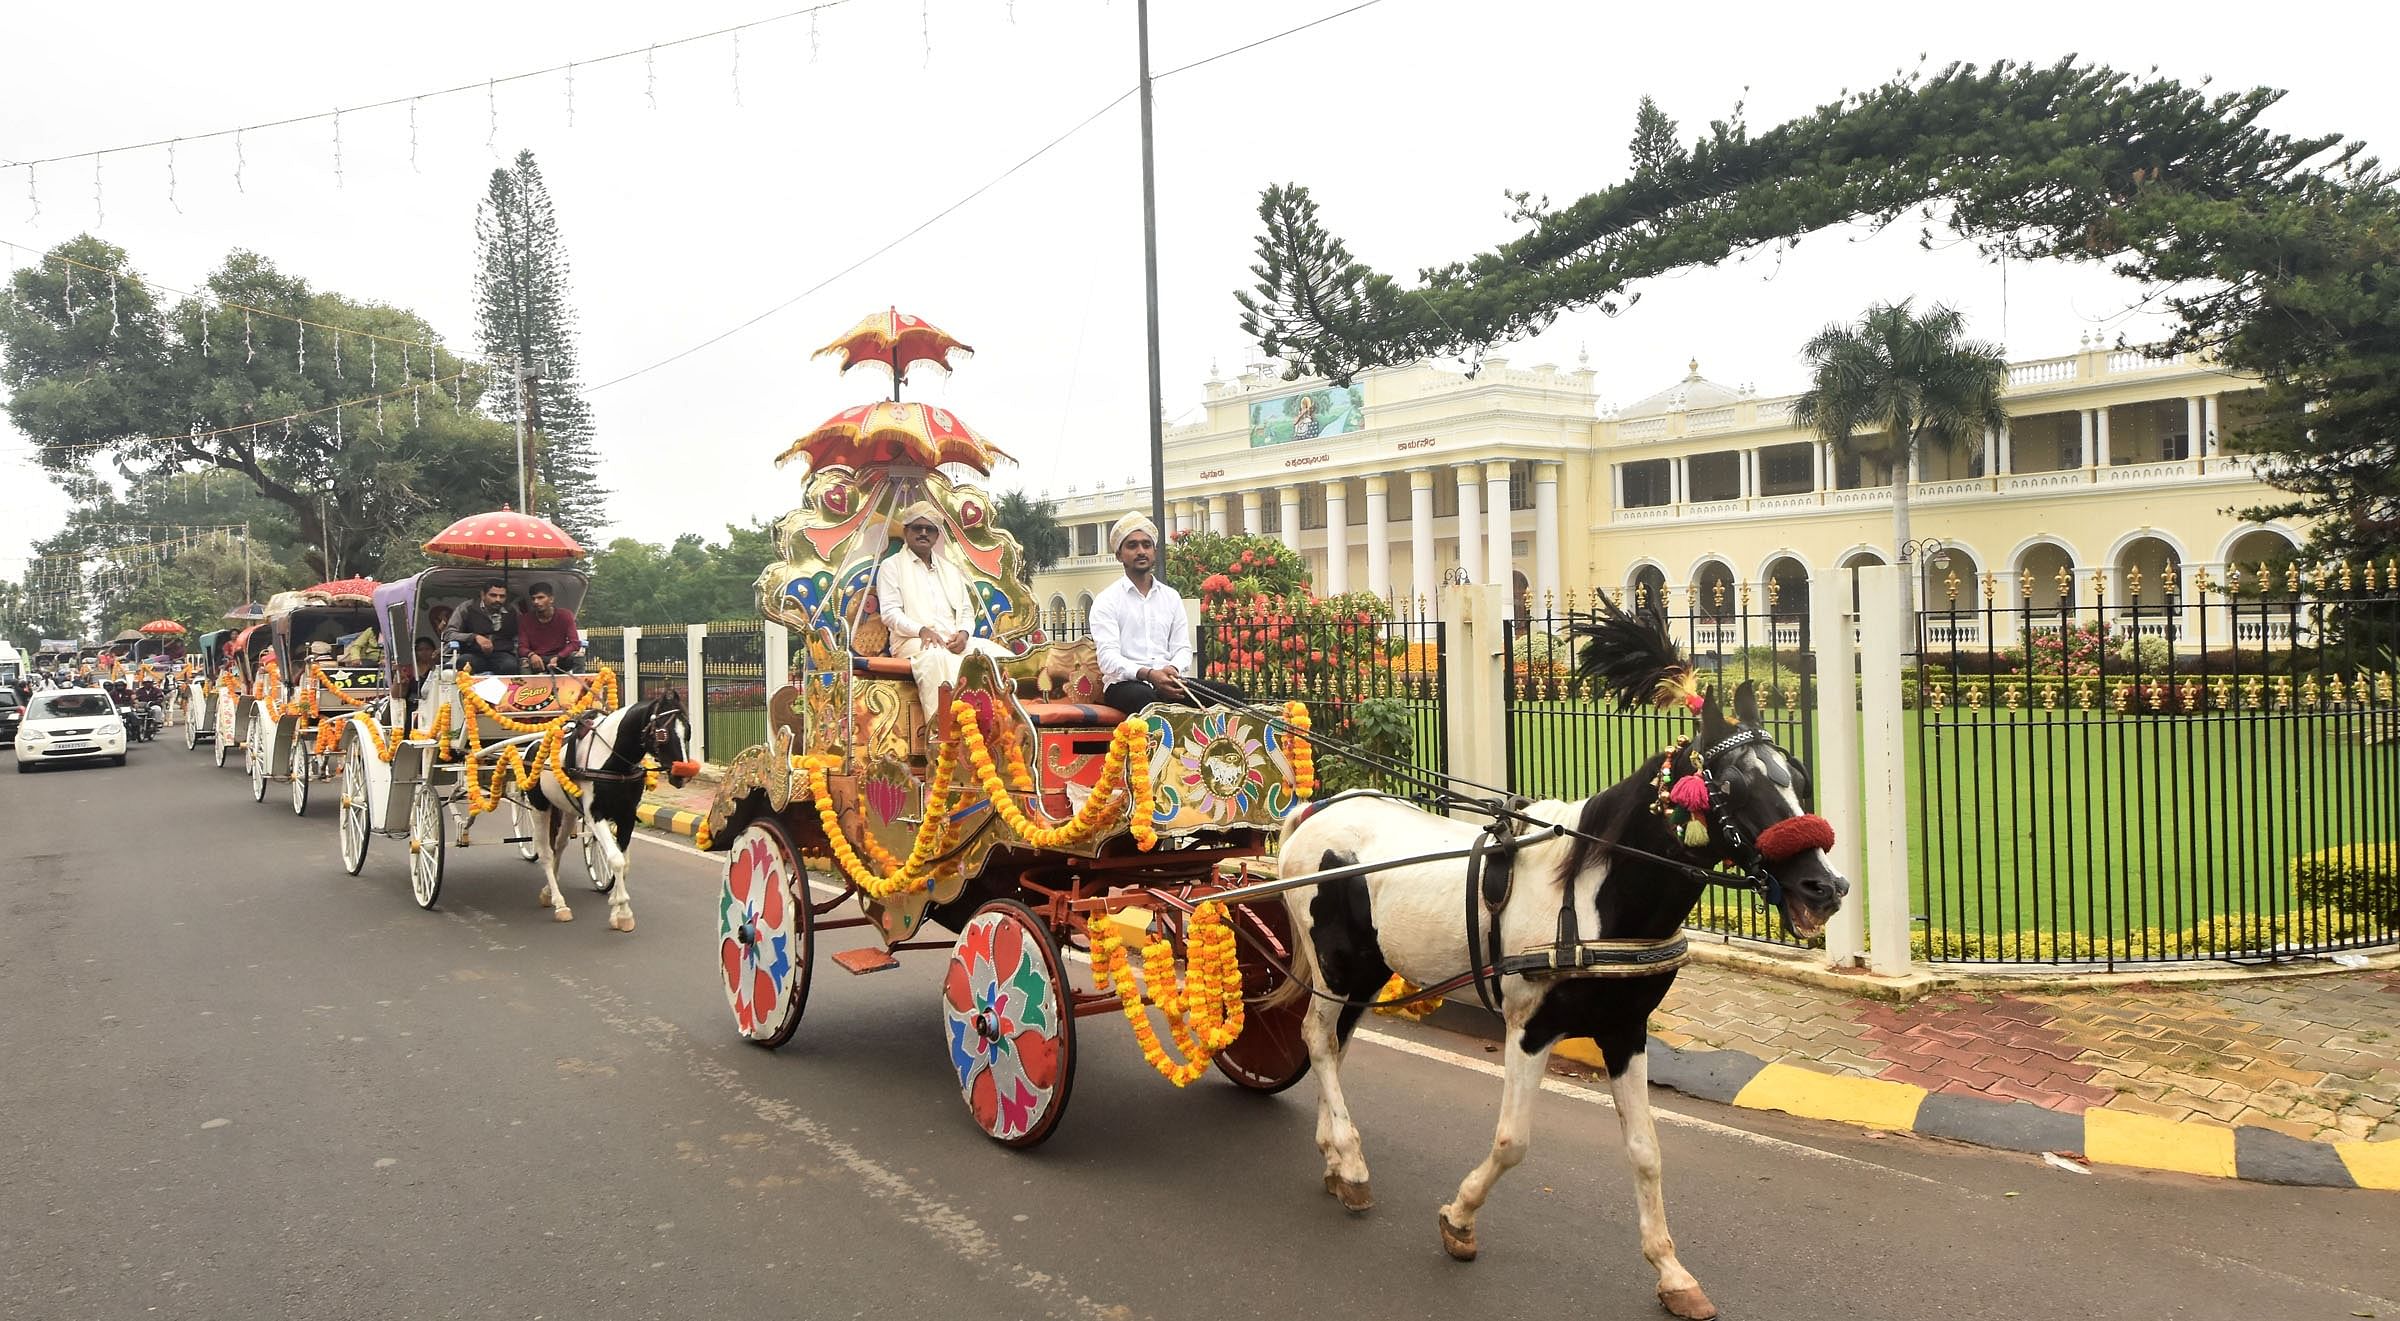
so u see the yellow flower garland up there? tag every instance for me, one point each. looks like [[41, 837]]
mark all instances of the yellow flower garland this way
[[934, 835], [1203, 1008], [548, 755], [1400, 988], [1128, 752], [1304, 758]]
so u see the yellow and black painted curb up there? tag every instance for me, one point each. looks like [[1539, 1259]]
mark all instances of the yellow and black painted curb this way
[[2102, 1136], [674, 820]]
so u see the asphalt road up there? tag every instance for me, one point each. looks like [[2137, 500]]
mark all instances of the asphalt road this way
[[236, 1083]]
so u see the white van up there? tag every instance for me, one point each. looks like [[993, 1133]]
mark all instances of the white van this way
[[12, 664]]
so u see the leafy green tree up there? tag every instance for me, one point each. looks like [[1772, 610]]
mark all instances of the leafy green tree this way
[[1895, 385], [524, 315], [688, 581], [1035, 525], [115, 388], [2276, 250]]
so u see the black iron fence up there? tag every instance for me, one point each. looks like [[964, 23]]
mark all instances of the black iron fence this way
[[1566, 739], [665, 653], [1368, 682], [2149, 772], [733, 678]]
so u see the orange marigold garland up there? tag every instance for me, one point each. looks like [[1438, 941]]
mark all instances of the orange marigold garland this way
[[1203, 1007], [1304, 758], [1127, 749]]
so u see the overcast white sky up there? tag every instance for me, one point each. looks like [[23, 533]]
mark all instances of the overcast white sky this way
[[1408, 119]]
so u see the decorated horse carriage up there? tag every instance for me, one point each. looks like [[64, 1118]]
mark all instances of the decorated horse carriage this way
[[1022, 819], [197, 689], [451, 742], [236, 681], [300, 689]]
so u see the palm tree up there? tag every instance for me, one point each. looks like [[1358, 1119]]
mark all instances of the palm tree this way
[[1893, 385], [1037, 529]]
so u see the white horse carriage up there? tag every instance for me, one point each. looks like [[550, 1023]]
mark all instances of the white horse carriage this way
[[300, 689], [448, 744]]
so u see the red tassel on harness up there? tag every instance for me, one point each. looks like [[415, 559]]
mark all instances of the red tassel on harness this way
[[1794, 835]]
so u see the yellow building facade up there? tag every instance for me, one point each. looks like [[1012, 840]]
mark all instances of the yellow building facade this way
[[1419, 475]]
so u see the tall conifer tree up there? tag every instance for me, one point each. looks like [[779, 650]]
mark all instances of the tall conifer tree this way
[[524, 314]]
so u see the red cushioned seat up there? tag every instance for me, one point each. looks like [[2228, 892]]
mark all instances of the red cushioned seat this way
[[888, 667], [1052, 715]]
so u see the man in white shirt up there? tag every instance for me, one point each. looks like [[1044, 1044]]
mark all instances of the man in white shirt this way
[[1140, 631], [923, 599]]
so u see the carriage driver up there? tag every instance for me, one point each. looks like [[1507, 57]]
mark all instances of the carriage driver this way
[[1140, 631], [923, 599], [486, 631]]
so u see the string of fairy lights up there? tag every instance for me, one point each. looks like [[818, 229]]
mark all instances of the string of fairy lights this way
[[57, 589]]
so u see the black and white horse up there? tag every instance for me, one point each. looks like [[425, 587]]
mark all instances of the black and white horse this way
[[1354, 934], [605, 758]]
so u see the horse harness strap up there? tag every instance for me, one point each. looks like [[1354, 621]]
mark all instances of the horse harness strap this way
[[1491, 879], [586, 731]]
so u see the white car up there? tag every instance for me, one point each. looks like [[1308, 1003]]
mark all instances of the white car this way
[[70, 724]]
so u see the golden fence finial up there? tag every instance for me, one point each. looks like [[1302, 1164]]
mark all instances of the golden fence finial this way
[[2025, 584], [2065, 581], [1716, 593], [1950, 586], [1549, 603], [1641, 596], [1774, 592], [2291, 577], [2200, 582], [1745, 596], [2370, 575], [1991, 586], [2335, 693], [2100, 586], [1619, 597], [2133, 581]]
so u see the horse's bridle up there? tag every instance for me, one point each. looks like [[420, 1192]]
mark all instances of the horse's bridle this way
[[1743, 852]]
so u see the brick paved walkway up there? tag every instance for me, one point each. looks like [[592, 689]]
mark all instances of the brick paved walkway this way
[[2313, 1057]]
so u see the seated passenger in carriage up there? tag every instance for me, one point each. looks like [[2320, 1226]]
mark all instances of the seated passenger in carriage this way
[[407, 674], [546, 634], [924, 601], [485, 630], [1143, 638]]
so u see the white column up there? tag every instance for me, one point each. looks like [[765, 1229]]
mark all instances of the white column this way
[[1837, 755], [1250, 513], [1547, 596], [630, 678], [1679, 483], [1337, 538], [2008, 452], [1616, 481], [2209, 424], [2193, 427], [1287, 503], [1824, 465], [1500, 527], [1217, 521], [1379, 535], [1885, 768], [695, 688], [1991, 451], [2100, 430], [1421, 571], [1470, 522], [2088, 449], [1916, 466]]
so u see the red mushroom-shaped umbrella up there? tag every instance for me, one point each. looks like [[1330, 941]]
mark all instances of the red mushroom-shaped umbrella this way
[[890, 432], [504, 536], [162, 628], [346, 589], [895, 339]]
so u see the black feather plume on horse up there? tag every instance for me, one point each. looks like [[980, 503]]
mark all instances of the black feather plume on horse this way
[[1630, 656]]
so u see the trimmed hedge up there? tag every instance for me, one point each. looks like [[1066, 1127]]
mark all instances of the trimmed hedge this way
[[2362, 880]]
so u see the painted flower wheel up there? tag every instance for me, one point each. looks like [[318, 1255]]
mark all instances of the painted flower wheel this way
[[766, 933], [1009, 1024]]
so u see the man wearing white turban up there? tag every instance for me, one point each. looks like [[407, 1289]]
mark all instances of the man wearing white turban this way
[[1139, 629], [923, 599]]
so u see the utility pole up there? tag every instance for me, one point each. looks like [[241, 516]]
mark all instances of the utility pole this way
[[325, 527], [247, 595], [1158, 407]]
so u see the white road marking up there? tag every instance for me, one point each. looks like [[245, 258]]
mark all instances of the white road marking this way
[[1555, 1086]]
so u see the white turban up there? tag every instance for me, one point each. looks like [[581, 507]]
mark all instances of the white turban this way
[[923, 511], [1127, 526]]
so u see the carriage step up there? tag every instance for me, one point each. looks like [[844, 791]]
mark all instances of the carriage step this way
[[860, 962]]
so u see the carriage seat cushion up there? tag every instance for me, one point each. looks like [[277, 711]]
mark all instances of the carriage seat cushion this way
[[1050, 715], [888, 667]]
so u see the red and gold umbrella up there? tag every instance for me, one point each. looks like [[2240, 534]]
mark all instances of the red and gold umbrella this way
[[503, 536], [888, 431], [895, 339], [162, 627]]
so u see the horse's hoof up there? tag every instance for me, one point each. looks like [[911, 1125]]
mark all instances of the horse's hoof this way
[[1459, 1243], [624, 923], [564, 914], [1357, 1198], [1690, 1304]]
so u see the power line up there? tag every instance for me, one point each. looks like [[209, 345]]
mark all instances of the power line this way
[[985, 187], [479, 85]]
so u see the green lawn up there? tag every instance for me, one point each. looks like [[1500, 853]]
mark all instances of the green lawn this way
[[2145, 829]]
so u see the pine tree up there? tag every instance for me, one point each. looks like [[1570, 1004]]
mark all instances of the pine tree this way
[[524, 315]]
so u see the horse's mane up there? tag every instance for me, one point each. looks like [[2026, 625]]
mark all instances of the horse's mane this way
[[1629, 655]]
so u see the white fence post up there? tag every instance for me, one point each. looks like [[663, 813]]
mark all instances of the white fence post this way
[[1474, 661], [1883, 638], [778, 641], [1836, 770], [633, 664], [695, 690]]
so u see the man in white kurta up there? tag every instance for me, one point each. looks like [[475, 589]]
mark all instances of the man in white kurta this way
[[924, 601]]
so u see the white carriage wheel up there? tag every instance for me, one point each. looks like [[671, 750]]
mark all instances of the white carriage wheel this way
[[766, 933], [522, 819], [301, 770], [595, 858], [191, 735], [354, 819], [218, 749], [428, 836], [254, 761]]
